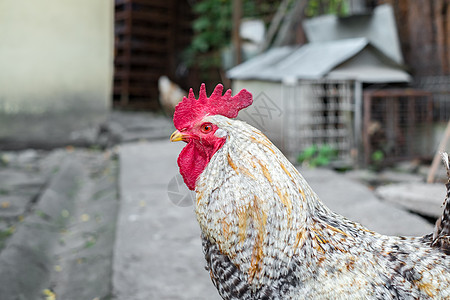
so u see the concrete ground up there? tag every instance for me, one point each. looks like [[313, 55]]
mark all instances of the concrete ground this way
[[158, 252], [119, 223], [58, 237]]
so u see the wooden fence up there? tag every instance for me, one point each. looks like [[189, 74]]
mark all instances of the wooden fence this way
[[149, 38]]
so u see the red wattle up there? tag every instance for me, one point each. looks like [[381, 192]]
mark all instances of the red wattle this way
[[193, 160]]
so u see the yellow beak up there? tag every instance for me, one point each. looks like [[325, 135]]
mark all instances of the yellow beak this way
[[177, 136]]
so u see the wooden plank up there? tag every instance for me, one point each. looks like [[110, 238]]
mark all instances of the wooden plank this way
[[137, 90], [139, 104], [185, 23], [424, 32], [149, 35], [397, 93], [275, 24], [142, 46], [142, 15], [120, 74], [236, 38], [142, 60], [439, 25], [447, 41], [289, 24], [171, 42], [143, 3], [127, 53], [141, 32], [366, 123]]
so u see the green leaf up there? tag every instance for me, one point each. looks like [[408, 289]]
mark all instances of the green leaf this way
[[213, 25], [202, 7], [307, 154], [317, 155], [201, 24], [322, 161], [377, 156], [200, 45]]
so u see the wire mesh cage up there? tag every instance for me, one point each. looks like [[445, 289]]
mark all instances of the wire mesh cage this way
[[439, 86], [319, 113], [397, 124]]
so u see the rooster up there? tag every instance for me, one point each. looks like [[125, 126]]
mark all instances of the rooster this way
[[266, 234]]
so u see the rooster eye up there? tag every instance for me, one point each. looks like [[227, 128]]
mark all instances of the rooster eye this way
[[206, 127]]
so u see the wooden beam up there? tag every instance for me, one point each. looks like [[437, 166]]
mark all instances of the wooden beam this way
[[275, 24], [286, 33], [236, 38]]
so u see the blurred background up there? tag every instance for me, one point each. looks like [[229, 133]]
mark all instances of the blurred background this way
[[361, 76], [88, 89]]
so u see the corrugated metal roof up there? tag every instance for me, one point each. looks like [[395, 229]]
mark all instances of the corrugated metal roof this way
[[260, 64], [367, 66], [315, 60], [311, 61]]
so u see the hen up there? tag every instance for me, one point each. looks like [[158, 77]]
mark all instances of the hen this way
[[266, 234], [170, 94]]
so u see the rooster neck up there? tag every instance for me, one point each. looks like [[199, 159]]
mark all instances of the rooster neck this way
[[250, 196]]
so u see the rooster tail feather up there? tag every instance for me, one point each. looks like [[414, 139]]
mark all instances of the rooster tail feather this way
[[441, 234]]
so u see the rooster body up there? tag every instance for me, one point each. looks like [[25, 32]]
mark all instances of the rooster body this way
[[267, 235]]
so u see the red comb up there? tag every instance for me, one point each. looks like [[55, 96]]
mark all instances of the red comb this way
[[191, 109]]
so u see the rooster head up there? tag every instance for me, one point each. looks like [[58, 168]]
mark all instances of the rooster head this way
[[203, 138]]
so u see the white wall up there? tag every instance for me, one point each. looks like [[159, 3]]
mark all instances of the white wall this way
[[56, 58], [273, 109], [267, 111]]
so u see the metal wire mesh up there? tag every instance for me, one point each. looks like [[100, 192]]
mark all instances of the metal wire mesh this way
[[439, 86], [319, 113], [397, 124]]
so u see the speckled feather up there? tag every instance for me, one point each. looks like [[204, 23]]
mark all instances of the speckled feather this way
[[267, 235]]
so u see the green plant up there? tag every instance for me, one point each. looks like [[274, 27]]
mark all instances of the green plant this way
[[377, 156], [212, 28], [316, 156], [377, 160], [213, 24], [321, 7]]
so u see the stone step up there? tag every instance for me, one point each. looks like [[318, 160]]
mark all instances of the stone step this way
[[422, 198], [355, 201]]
